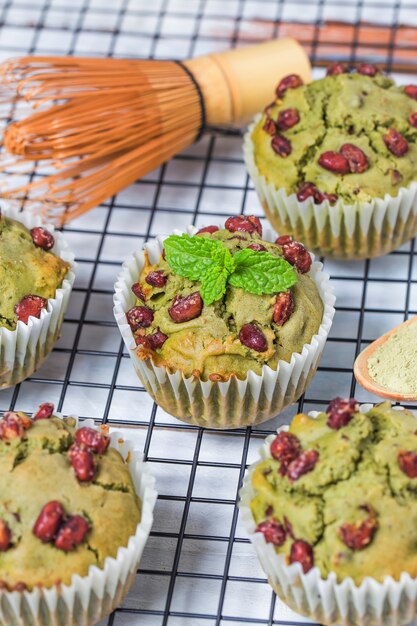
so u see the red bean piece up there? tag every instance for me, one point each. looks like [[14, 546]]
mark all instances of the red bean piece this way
[[281, 146], [337, 68], [296, 254], [71, 533], [157, 339], [413, 119], [30, 306], [411, 91], [42, 238], [49, 521], [45, 411], [285, 448], [83, 463], [5, 536], [139, 317], [358, 536], [307, 190], [395, 142], [152, 342], [186, 309], [356, 157], [303, 464], [257, 247], [156, 278], [256, 222], [292, 81], [302, 552], [334, 162], [340, 411], [284, 306], [368, 69], [273, 532], [12, 426], [270, 127], [244, 224], [408, 463], [287, 118], [331, 197], [138, 291], [252, 337], [143, 342], [283, 240], [92, 439], [208, 229]]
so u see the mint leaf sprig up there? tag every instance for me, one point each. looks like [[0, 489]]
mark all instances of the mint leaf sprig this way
[[210, 262]]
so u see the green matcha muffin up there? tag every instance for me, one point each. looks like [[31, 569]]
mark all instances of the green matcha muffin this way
[[36, 278], [241, 331], [337, 494], [30, 273], [214, 312], [335, 161], [72, 508]]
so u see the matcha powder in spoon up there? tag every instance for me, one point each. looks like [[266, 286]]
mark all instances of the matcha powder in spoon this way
[[393, 365]]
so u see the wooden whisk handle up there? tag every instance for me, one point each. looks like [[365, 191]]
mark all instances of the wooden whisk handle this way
[[238, 83]]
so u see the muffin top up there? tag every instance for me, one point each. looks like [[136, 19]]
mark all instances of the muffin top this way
[[340, 492], [67, 500], [349, 135], [29, 272], [248, 303]]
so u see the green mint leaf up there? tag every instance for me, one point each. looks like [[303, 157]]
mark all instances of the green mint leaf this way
[[210, 262], [213, 286], [223, 258], [202, 259], [262, 272], [215, 278], [191, 257]]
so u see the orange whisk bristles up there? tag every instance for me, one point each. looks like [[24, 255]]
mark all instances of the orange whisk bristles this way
[[99, 125]]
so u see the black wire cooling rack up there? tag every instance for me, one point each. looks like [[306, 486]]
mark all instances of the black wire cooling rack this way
[[198, 568]]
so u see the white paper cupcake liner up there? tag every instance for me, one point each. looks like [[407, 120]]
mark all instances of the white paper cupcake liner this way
[[24, 349], [88, 599], [390, 603], [350, 231], [235, 403]]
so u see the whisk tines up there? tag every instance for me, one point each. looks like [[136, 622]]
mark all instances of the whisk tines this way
[[98, 125]]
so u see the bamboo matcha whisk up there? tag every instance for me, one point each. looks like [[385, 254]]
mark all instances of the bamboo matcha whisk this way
[[101, 124]]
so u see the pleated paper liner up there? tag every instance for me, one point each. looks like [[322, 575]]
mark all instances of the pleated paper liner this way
[[88, 599], [345, 231], [324, 600], [235, 403], [24, 349]]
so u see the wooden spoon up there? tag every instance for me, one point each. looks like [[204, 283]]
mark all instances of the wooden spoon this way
[[361, 372]]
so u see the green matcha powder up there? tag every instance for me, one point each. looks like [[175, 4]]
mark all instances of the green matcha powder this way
[[393, 365]]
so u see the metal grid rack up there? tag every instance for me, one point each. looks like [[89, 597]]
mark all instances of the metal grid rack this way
[[198, 568]]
